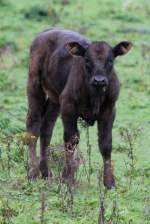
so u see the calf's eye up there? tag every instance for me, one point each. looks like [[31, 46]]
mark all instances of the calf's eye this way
[[109, 64]]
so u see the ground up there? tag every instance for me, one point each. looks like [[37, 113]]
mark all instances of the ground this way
[[43, 201]]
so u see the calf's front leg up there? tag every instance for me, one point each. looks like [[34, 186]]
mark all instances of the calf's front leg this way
[[105, 124], [71, 140]]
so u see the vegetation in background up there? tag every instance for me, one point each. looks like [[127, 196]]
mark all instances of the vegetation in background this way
[[44, 202]]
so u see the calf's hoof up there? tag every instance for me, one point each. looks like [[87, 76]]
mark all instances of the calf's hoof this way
[[68, 176], [109, 182], [45, 172], [33, 170], [108, 178]]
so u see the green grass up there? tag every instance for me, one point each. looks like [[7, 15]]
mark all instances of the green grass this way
[[108, 20]]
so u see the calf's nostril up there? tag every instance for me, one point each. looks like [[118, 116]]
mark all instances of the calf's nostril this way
[[96, 82]]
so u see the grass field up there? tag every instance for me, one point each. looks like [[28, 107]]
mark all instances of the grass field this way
[[41, 201]]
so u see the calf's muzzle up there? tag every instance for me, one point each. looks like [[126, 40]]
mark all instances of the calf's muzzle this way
[[99, 81]]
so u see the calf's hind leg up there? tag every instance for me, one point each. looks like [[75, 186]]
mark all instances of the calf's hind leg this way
[[36, 101], [48, 121]]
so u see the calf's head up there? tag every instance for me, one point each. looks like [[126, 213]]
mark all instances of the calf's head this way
[[99, 59]]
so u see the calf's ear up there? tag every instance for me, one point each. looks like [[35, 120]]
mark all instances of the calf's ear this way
[[75, 48], [122, 48]]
